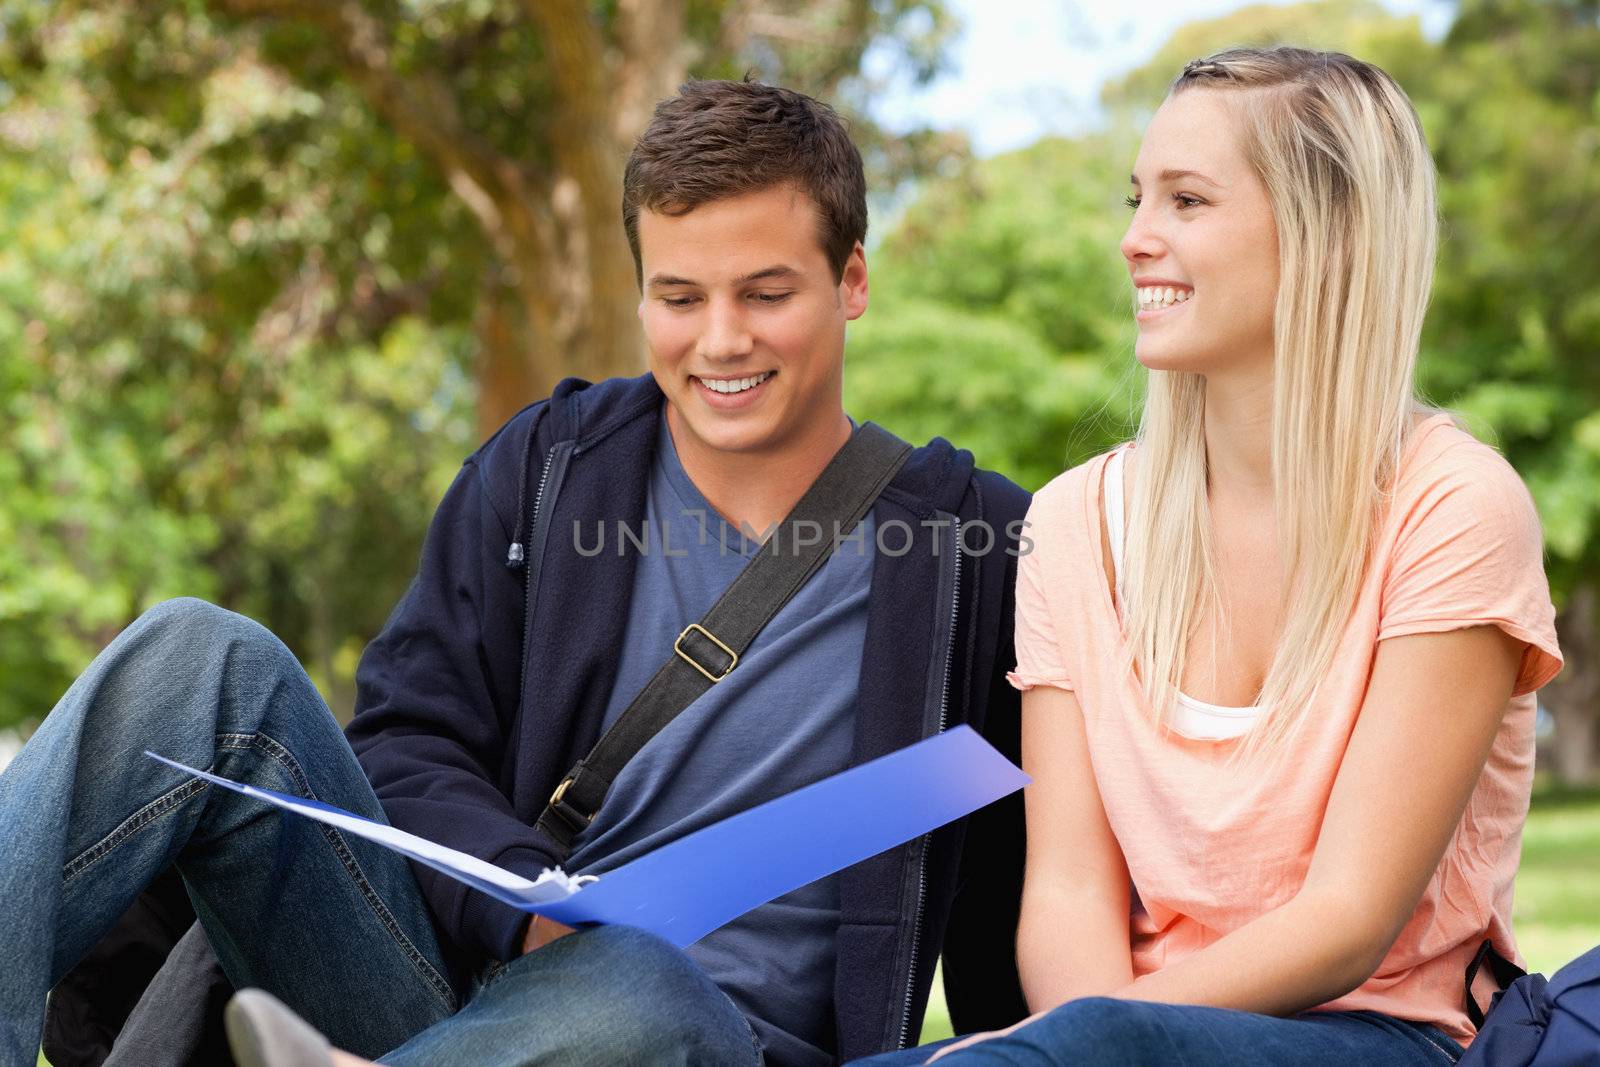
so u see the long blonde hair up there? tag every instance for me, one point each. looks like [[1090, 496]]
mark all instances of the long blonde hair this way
[[1346, 167]]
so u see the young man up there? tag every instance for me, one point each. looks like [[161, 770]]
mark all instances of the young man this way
[[571, 551]]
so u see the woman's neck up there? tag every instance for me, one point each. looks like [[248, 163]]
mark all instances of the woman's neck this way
[[1239, 434]]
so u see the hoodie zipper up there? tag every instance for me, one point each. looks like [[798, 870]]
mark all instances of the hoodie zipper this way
[[927, 840], [555, 469]]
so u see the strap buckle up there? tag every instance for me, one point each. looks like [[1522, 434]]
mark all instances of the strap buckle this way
[[577, 819], [677, 646]]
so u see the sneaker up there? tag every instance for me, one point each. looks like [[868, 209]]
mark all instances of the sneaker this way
[[264, 1032]]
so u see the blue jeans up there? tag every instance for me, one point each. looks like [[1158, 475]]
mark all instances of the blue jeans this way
[[1099, 1031], [334, 926]]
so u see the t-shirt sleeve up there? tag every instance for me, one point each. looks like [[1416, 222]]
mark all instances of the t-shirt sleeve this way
[[1469, 552], [1039, 648]]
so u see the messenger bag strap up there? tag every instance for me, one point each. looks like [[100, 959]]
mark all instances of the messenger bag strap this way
[[706, 651], [1504, 971]]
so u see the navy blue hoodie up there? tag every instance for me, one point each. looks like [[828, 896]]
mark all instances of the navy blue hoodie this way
[[491, 676]]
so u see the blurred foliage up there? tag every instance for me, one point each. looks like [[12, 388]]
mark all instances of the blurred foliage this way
[[245, 279], [1000, 313], [176, 425]]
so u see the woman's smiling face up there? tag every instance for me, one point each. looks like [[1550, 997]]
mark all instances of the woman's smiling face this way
[[1202, 248]]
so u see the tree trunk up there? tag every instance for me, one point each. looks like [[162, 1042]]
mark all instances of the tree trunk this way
[[554, 224], [1573, 698], [505, 372]]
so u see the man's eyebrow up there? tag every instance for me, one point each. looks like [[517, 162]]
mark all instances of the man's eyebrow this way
[[1170, 175], [778, 271]]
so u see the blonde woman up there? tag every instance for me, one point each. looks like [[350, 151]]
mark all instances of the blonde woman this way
[[1278, 654]]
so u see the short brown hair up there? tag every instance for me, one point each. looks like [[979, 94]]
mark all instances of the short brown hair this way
[[718, 139]]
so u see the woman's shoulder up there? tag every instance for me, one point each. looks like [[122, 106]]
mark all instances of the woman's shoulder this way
[[1449, 482], [1073, 495], [1064, 519], [1442, 458]]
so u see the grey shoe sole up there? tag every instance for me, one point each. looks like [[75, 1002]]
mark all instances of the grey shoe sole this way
[[264, 1032]]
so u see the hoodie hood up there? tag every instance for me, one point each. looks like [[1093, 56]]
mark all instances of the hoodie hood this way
[[935, 476]]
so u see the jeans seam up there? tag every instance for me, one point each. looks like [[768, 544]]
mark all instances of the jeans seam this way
[[273, 750], [1452, 1054], [161, 805], [755, 1039], [174, 798]]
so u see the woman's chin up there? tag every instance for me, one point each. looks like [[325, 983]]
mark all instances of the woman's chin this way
[[1165, 357]]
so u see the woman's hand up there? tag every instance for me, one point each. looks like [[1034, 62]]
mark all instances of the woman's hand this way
[[541, 932]]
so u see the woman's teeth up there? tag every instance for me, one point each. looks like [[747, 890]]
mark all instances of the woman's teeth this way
[[1158, 296], [735, 385]]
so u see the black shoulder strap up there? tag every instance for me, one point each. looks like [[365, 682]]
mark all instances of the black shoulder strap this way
[[707, 650], [1504, 971]]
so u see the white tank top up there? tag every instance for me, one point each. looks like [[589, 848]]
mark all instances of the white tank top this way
[[1191, 717]]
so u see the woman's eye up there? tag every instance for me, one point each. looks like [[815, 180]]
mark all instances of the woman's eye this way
[[1183, 200]]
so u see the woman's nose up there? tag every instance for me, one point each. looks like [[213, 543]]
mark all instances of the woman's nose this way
[[1140, 241]]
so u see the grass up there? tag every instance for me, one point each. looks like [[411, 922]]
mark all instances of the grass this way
[[1557, 911], [1557, 914]]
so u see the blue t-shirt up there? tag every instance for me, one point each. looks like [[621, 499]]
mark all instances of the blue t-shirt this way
[[784, 718]]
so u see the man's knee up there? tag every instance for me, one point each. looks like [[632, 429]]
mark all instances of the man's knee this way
[[187, 633], [182, 661], [191, 622]]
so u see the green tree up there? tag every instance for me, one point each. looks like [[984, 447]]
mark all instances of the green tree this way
[[269, 269], [1001, 316], [492, 132], [1512, 108]]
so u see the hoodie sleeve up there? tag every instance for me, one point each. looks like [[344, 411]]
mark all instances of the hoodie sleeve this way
[[436, 692]]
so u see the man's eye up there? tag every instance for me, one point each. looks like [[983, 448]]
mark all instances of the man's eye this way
[[772, 298], [677, 301]]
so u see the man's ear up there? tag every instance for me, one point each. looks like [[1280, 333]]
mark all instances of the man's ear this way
[[853, 284]]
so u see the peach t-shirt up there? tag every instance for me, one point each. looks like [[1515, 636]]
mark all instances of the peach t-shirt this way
[[1211, 846]]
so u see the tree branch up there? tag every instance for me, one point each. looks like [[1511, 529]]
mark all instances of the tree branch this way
[[420, 107], [581, 130], [651, 60]]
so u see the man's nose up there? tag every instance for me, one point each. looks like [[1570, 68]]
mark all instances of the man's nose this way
[[727, 333]]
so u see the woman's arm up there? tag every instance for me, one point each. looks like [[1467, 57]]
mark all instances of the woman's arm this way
[[1072, 938], [1425, 729]]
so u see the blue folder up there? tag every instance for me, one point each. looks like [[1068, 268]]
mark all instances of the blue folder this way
[[684, 890]]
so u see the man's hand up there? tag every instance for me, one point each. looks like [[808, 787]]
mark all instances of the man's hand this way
[[541, 932]]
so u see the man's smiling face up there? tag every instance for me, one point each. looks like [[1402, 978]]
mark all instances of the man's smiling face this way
[[744, 319]]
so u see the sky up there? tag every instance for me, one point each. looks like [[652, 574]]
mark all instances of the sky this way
[[1025, 68]]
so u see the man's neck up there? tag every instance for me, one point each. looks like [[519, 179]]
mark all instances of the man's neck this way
[[756, 490]]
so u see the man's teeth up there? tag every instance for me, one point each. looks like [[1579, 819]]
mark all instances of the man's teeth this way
[[735, 385], [1157, 296]]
